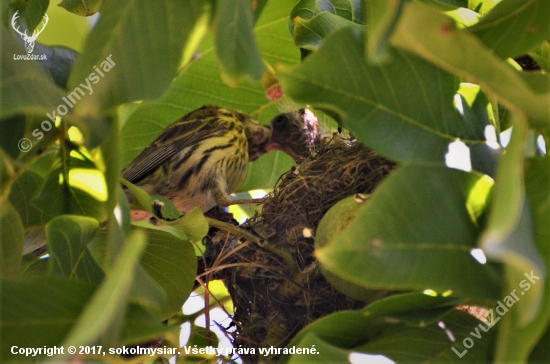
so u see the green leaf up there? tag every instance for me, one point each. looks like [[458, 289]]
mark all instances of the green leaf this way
[[435, 37], [130, 66], [68, 237], [383, 16], [12, 130], [140, 326], [537, 177], [59, 198], [21, 195], [514, 27], [19, 80], [146, 292], [169, 261], [110, 299], [541, 55], [193, 224], [38, 312], [437, 340], [11, 241], [80, 7], [32, 12], [509, 236], [416, 232], [416, 323], [172, 263], [346, 9], [402, 109], [235, 43], [309, 33]]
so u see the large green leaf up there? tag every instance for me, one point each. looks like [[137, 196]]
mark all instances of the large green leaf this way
[[509, 237], [417, 232], [20, 80], [436, 38], [172, 263], [11, 241], [383, 16], [169, 261], [403, 108], [144, 42], [400, 327], [38, 312], [110, 299], [524, 337], [235, 43], [514, 27], [68, 237]]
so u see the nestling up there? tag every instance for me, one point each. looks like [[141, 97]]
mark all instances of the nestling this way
[[296, 133]]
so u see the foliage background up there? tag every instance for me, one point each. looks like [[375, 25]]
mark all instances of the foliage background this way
[[408, 78]]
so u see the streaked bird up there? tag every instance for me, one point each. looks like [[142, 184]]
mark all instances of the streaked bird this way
[[199, 159]]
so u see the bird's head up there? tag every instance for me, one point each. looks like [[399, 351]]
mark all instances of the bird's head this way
[[296, 133]]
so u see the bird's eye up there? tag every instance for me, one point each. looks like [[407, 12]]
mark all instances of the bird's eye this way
[[279, 122]]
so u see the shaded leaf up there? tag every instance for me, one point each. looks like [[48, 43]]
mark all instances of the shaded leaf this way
[[59, 62], [392, 327], [235, 43], [146, 65], [21, 195], [110, 298], [68, 237], [39, 311], [171, 262], [383, 17], [80, 7], [12, 130], [11, 241]]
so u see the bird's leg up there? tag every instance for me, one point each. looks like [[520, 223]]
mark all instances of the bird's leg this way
[[245, 201], [223, 199]]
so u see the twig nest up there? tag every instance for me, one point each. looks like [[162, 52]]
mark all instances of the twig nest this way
[[272, 300]]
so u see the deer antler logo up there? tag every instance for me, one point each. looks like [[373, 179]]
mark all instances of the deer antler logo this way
[[29, 40]]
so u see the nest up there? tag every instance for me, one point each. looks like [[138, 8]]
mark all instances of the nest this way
[[274, 299]]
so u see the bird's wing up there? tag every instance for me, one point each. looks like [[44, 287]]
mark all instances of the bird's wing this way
[[183, 133]]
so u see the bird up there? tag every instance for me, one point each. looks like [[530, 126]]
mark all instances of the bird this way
[[296, 133], [198, 160]]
